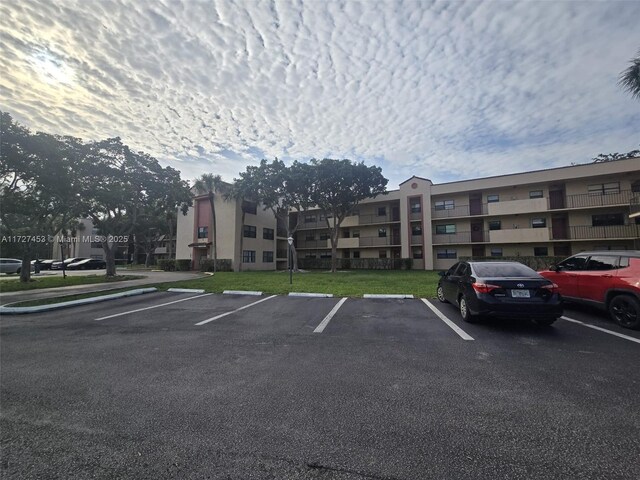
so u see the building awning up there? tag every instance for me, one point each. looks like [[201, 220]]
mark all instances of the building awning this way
[[200, 245]]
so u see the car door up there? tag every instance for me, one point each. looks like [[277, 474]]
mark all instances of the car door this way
[[566, 276], [447, 285], [597, 277]]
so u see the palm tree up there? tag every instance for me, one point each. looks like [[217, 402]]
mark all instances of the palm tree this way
[[630, 78], [211, 184]]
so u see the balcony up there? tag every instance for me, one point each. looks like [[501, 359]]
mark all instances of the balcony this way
[[416, 239], [586, 200], [514, 207], [460, 238], [371, 219], [634, 207], [459, 211], [588, 232], [379, 241], [519, 235]]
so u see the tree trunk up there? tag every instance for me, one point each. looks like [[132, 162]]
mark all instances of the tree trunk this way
[[334, 252], [294, 258], [147, 260], [136, 251], [170, 244], [25, 268], [109, 258]]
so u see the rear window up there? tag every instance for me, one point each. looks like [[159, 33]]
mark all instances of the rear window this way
[[503, 270]]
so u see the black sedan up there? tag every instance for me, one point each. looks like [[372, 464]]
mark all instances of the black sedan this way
[[87, 264], [500, 289], [57, 265]]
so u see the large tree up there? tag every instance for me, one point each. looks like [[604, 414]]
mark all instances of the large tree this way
[[338, 186], [39, 192], [280, 189], [212, 185], [630, 77]]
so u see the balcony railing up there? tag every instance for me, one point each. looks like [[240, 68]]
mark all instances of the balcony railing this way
[[282, 254], [588, 232], [379, 241], [459, 211], [634, 207], [460, 237], [587, 200], [416, 239], [370, 219]]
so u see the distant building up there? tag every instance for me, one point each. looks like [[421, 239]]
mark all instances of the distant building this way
[[554, 212]]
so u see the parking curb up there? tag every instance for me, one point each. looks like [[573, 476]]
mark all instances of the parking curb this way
[[74, 303], [314, 295], [241, 292], [376, 295], [186, 290]]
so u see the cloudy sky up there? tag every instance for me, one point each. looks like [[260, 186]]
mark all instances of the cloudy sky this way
[[444, 90]]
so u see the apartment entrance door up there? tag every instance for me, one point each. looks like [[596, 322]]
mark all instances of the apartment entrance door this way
[[476, 232], [559, 228], [475, 204], [556, 199]]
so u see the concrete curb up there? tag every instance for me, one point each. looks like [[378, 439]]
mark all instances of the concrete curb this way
[[375, 295], [314, 295], [74, 303], [241, 292], [186, 290]]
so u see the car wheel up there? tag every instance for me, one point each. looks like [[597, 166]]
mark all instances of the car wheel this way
[[18, 271], [625, 310], [464, 311], [544, 322], [440, 295]]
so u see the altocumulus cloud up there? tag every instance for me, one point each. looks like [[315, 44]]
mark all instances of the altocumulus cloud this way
[[442, 90]]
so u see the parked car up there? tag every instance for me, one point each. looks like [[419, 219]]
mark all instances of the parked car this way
[[11, 265], [500, 289], [608, 280], [87, 264], [57, 265], [44, 264]]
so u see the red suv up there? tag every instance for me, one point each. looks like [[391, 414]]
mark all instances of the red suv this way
[[607, 279]]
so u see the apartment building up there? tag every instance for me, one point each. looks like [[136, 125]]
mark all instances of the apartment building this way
[[554, 212], [559, 211], [246, 234]]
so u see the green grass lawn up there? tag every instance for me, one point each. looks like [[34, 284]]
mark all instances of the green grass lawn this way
[[68, 298], [51, 282], [352, 283]]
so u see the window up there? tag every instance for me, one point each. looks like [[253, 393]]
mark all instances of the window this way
[[382, 211], [249, 231], [415, 205], [535, 194], [445, 229], [203, 232], [309, 237], [493, 198], [445, 205], [382, 232], [604, 188], [355, 234], [635, 186], [446, 253], [325, 254], [606, 219], [267, 257], [248, 256], [495, 225], [602, 262], [417, 253], [356, 254], [382, 254], [310, 219], [416, 229], [573, 263], [267, 233], [496, 252], [540, 251], [310, 255], [324, 236], [538, 222], [249, 207]]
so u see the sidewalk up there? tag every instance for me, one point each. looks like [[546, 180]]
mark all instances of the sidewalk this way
[[150, 278]]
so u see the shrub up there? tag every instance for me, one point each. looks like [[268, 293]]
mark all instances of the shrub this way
[[356, 263], [222, 265], [536, 263], [168, 265], [183, 265]]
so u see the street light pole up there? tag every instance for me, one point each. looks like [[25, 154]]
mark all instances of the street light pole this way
[[290, 241]]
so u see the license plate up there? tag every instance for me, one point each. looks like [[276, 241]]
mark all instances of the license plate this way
[[520, 293]]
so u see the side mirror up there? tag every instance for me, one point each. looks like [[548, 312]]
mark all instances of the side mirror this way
[[555, 268]]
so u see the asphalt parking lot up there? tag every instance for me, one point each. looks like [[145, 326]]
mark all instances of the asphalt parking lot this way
[[240, 387]]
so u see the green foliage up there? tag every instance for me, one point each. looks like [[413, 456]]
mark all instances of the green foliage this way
[[222, 265], [357, 263], [536, 263], [183, 265], [168, 265], [630, 78]]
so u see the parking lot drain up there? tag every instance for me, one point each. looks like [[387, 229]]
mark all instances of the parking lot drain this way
[[376, 295], [316, 295], [241, 292]]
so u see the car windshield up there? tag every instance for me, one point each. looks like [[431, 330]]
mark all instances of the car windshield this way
[[503, 270]]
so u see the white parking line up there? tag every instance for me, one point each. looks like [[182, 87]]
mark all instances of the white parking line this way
[[626, 337], [325, 321], [234, 311], [464, 335], [153, 306]]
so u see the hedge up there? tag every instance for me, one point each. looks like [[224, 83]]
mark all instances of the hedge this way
[[222, 265], [537, 263], [356, 263]]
